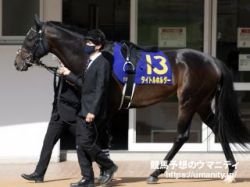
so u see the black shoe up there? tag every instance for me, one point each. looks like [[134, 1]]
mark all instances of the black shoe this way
[[98, 180], [33, 177], [83, 183], [108, 174]]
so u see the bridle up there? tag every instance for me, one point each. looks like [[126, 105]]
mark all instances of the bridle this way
[[39, 49]]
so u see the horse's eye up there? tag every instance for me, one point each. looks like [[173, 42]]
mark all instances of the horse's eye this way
[[31, 37]]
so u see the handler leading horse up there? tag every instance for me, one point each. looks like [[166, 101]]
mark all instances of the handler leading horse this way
[[198, 79]]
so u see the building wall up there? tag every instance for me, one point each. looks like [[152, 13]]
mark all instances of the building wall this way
[[52, 10], [25, 101]]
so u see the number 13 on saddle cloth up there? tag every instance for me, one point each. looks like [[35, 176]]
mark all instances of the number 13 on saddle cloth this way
[[151, 67]]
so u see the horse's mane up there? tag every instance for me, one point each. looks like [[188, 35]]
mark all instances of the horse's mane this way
[[71, 28]]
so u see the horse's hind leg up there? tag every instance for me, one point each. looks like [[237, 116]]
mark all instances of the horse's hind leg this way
[[183, 128], [208, 117]]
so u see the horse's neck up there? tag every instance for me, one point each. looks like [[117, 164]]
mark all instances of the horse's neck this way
[[67, 46], [70, 55]]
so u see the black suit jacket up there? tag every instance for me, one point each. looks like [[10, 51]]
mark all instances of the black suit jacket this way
[[94, 86], [68, 104]]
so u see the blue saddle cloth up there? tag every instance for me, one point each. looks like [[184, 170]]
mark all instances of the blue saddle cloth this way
[[151, 67]]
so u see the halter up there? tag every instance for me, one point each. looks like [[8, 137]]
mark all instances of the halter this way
[[33, 59]]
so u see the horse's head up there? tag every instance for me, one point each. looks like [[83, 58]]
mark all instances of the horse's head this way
[[33, 48], [65, 41]]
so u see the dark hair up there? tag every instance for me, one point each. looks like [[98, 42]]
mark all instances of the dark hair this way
[[96, 36]]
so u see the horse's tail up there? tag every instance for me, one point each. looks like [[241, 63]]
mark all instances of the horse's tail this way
[[230, 126]]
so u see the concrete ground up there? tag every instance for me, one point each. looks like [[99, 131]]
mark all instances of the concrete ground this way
[[130, 173]]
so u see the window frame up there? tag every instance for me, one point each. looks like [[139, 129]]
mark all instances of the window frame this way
[[12, 40]]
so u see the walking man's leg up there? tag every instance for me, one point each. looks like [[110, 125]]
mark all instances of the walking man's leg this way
[[54, 131], [83, 135], [87, 135]]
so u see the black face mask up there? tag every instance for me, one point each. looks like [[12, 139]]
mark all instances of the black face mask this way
[[89, 49]]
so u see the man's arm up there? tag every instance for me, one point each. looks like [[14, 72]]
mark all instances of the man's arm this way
[[71, 77], [102, 79]]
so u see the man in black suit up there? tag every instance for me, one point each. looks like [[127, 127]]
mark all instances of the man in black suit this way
[[63, 118], [93, 113]]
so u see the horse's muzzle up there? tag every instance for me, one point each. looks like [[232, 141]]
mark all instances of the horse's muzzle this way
[[20, 67]]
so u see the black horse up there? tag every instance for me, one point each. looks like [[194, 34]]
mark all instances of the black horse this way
[[198, 80]]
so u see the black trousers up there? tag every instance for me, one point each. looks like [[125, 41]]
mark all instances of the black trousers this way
[[88, 150], [54, 132]]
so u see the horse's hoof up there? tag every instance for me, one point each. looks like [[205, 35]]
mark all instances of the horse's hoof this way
[[152, 180], [230, 178]]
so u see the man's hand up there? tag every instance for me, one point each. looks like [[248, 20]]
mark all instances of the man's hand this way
[[63, 71], [90, 118]]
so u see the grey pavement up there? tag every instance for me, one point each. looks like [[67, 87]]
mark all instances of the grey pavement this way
[[130, 173]]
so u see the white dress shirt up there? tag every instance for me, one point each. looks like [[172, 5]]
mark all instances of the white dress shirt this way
[[92, 58]]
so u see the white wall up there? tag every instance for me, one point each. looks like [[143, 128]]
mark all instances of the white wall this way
[[26, 100], [52, 10], [25, 107]]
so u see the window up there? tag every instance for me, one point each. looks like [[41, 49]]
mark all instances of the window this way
[[111, 16], [182, 21], [17, 17], [157, 124], [233, 48]]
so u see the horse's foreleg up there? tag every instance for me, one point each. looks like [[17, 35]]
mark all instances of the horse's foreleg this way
[[183, 128], [209, 118]]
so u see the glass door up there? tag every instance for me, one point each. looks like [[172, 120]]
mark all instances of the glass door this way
[[170, 24], [231, 41], [112, 17]]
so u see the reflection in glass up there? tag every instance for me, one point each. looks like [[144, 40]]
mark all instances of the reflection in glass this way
[[18, 16], [233, 15], [172, 13]]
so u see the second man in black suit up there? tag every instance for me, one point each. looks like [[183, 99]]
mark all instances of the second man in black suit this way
[[63, 117]]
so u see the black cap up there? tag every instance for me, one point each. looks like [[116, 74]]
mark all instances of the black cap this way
[[96, 36]]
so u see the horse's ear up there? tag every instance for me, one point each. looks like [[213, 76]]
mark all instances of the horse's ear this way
[[37, 22]]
